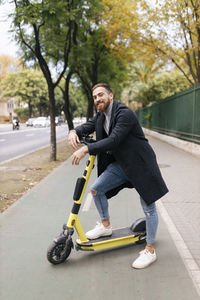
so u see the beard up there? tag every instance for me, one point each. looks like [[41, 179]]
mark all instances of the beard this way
[[102, 106]]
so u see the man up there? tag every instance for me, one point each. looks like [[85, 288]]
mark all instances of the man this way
[[125, 159]]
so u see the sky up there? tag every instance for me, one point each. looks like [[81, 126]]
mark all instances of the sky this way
[[7, 46]]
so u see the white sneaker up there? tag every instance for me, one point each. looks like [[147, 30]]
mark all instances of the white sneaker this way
[[144, 260], [99, 230]]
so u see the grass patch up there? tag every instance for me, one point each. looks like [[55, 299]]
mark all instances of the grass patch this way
[[20, 175]]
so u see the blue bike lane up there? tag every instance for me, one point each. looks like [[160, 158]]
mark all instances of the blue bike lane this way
[[29, 226]]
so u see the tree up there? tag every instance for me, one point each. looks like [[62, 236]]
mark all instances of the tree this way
[[160, 30], [29, 87], [46, 31], [172, 31], [141, 76], [78, 101], [162, 85], [94, 62], [9, 64], [168, 83], [66, 97], [120, 19]]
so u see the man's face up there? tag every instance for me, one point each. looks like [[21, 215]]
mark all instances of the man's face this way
[[102, 98]]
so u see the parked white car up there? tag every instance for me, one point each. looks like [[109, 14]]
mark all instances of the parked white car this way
[[79, 120], [29, 122], [41, 122]]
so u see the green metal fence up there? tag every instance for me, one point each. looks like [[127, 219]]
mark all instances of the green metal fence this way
[[178, 115]]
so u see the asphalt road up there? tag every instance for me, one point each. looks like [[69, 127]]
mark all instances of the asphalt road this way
[[19, 142]]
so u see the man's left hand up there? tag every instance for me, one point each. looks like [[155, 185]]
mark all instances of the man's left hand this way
[[79, 154]]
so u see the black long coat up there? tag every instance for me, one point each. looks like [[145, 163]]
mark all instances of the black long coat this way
[[130, 148]]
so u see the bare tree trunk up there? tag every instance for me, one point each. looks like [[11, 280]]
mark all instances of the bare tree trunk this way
[[87, 89], [90, 109], [67, 109], [30, 109], [53, 127]]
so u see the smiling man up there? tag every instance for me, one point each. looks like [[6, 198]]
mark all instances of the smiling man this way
[[102, 98], [125, 159]]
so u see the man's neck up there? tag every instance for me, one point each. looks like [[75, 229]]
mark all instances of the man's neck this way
[[107, 111]]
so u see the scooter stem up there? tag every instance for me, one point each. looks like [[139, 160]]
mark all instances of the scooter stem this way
[[86, 176], [81, 184]]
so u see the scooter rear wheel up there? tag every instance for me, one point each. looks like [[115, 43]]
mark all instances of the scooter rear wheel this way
[[57, 253], [139, 226]]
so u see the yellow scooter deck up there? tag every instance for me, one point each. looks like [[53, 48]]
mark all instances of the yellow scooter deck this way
[[119, 237]]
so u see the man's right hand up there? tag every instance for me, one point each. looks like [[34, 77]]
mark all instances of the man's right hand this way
[[73, 139]]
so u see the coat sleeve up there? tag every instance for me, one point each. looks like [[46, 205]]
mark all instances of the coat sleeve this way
[[124, 121], [86, 128]]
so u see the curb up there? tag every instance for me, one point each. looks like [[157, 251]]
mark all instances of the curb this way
[[178, 143]]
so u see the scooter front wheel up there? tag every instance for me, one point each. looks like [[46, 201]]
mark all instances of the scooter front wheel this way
[[57, 253]]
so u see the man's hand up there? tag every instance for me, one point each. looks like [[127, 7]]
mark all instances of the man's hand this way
[[78, 155], [73, 139]]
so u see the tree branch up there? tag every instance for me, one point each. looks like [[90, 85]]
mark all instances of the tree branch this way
[[197, 16], [21, 33], [186, 29], [41, 60], [176, 64]]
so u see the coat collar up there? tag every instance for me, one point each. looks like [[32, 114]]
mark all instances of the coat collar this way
[[115, 103]]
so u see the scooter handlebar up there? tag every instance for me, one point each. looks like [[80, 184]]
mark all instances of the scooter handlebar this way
[[87, 140]]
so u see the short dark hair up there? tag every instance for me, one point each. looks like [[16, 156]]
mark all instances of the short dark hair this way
[[104, 85]]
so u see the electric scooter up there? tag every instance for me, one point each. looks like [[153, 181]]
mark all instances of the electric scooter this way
[[62, 245]]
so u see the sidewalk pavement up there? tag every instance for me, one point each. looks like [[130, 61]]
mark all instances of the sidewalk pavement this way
[[180, 208], [29, 226]]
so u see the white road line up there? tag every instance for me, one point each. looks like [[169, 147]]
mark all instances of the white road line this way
[[88, 202], [21, 130], [191, 266]]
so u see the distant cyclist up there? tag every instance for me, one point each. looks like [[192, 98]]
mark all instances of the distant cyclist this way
[[15, 122]]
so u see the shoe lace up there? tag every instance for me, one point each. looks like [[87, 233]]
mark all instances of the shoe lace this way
[[145, 251], [98, 224]]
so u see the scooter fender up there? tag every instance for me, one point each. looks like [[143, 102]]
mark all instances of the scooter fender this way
[[61, 238], [64, 238]]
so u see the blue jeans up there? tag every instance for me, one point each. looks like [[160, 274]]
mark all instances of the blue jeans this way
[[111, 178]]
